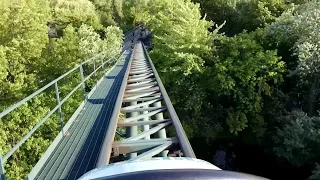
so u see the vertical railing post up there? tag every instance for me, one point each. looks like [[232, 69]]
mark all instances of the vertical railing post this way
[[95, 72], [102, 66], [103, 59], [2, 170], [94, 68], [59, 104], [83, 84]]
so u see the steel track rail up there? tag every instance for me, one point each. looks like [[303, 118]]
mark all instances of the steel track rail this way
[[148, 114]]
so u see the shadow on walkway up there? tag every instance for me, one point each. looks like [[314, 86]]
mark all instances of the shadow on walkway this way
[[88, 155]]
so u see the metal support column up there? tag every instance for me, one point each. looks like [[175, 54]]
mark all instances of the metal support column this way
[[59, 104], [132, 130], [162, 133], [2, 170], [146, 127]]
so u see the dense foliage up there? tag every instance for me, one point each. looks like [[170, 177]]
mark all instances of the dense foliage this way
[[243, 74], [39, 41], [244, 79]]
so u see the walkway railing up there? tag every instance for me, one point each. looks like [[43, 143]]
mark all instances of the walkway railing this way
[[80, 68]]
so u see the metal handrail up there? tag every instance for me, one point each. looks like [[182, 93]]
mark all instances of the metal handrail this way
[[60, 103], [13, 107]]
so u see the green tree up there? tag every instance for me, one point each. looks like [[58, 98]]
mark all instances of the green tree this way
[[132, 10], [75, 12], [181, 43], [242, 15], [29, 60], [23, 35], [243, 72], [110, 11], [297, 140], [180, 32], [297, 27], [64, 50], [315, 173], [17, 124], [74, 47]]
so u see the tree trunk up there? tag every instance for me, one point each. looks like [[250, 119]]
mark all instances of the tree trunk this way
[[313, 96]]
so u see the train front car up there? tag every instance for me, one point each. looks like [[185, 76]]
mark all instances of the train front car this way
[[169, 168]]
